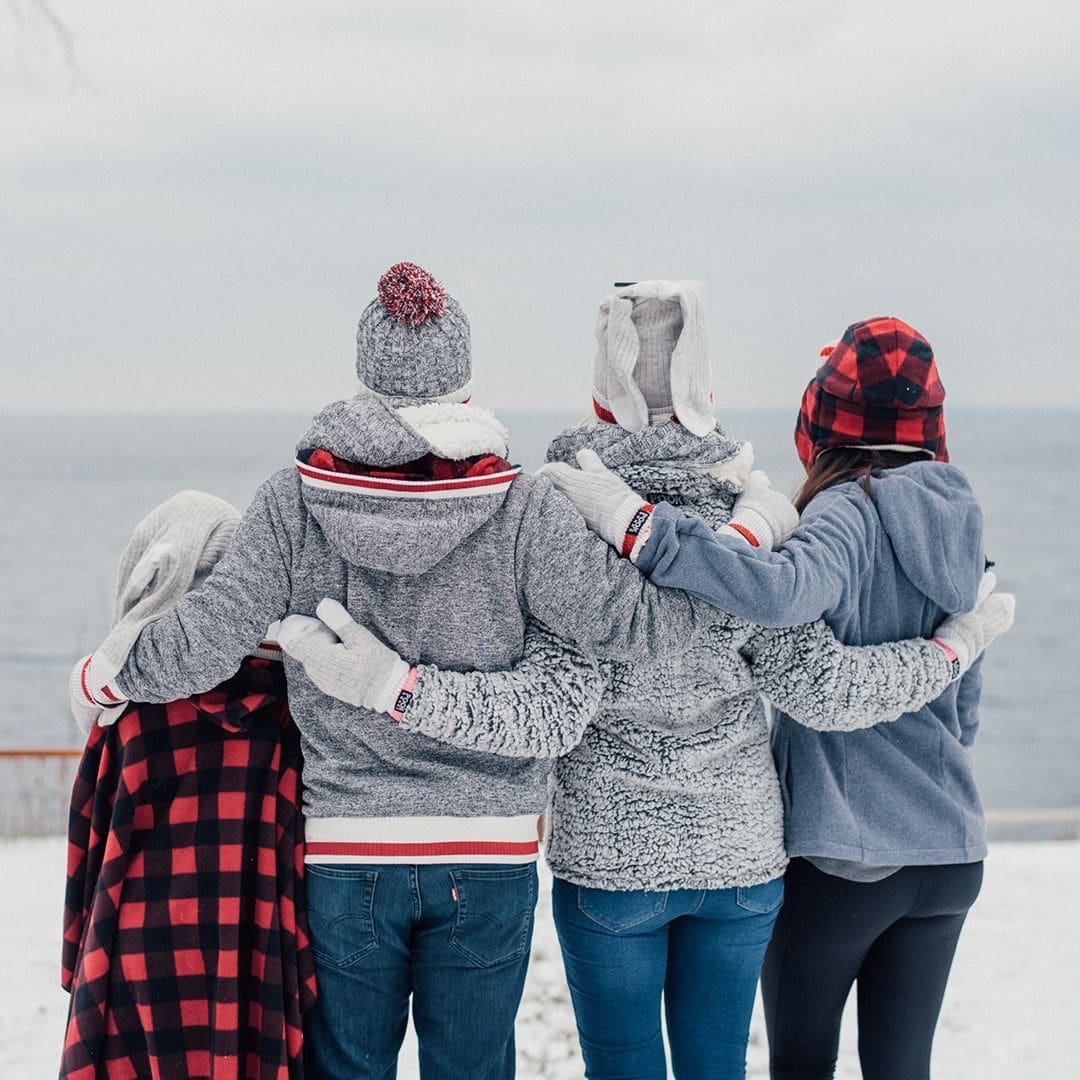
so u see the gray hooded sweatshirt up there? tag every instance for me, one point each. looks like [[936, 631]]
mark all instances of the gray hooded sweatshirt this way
[[444, 572], [889, 565]]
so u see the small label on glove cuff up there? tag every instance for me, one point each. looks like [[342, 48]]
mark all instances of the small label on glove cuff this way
[[950, 655], [637, 523], [405, 695]]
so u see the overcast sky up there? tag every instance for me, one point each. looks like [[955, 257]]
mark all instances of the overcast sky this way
[[195, 213]]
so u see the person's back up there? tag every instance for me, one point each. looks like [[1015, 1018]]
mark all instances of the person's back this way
[[682, 739], [180, 809], [427, 562], [911, 796]]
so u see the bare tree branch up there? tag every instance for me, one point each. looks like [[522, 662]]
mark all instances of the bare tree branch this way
[[60, 31]]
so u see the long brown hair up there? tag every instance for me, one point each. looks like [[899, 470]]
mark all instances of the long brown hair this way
[[841, 463]]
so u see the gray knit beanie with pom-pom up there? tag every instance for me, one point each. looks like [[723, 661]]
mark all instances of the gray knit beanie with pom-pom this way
[[412, 342]]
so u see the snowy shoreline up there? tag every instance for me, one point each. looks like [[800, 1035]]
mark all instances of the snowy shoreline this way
[[1010, 1011]]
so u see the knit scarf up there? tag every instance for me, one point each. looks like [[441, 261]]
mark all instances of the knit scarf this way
[[701, 475]]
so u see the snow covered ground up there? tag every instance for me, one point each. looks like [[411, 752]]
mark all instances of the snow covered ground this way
[[1010, 1014]]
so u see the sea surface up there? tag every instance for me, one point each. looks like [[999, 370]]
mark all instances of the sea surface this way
[[73, 486]]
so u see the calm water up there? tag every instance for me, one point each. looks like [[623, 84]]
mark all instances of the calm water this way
[[72, 488]]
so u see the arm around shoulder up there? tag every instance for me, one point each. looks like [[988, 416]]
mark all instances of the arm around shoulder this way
[[795, 584], [203, 639], [829, 686], [576, 584], [539, 708]]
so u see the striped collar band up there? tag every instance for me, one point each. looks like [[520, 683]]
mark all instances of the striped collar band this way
[[493, 484]]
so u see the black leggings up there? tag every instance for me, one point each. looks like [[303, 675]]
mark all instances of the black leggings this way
[[896, 937]]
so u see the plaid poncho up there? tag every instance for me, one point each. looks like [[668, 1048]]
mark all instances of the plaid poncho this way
[[185, 943]]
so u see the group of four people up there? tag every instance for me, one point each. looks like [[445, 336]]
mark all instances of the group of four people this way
[[583, 650]]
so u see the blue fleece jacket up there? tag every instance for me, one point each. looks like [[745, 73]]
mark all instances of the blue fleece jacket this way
[[878, 568]]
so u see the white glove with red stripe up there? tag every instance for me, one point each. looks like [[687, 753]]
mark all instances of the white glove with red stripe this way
[[761, 516], [89, 702], [348, 661], [964, 637], [610, 507]]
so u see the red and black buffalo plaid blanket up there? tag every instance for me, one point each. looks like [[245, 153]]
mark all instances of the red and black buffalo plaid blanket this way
[[185, 943]]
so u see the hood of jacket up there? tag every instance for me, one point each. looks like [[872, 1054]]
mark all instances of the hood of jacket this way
[[700, 474], [934, 523], [242, 699], [377, 519]]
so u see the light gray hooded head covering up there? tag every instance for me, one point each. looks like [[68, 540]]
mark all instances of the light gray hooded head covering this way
[[171, 552], [652, 357]]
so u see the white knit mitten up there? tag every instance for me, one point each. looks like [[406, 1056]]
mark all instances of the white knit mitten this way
[[761, 516], [358, 669], [89, 703], [610, 507], [963, 637]]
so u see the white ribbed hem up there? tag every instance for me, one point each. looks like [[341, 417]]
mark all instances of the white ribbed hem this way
[[268, 650], [422, 839]]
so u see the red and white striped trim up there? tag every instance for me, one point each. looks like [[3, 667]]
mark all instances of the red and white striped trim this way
[[637, 523], [106, 691], [422, 840], [745, 533], [407, 489], [267, 650], [945, 647], [603, 413], [950, 655]]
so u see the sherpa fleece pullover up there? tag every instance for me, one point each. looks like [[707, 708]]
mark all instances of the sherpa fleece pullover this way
[[444, 572], [669, 783], [889, 565]]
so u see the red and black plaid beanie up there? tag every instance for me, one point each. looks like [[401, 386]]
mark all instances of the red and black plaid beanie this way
[[878, 386]]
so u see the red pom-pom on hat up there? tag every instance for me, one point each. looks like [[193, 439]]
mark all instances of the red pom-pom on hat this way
[[410, 295]]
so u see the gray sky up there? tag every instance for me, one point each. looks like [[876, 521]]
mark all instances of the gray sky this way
[[197, 218]]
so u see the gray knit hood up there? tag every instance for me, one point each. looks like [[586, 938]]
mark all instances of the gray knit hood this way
[[701, 474], [401, 526]]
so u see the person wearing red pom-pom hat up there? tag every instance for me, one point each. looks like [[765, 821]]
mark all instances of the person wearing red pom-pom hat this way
[[403, 509]]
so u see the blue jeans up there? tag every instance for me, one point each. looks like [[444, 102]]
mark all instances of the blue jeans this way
[[701, 949], [454, 937]]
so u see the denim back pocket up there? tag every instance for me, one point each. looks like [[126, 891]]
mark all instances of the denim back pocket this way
[[494, 913], [618, 911], [340, 902], [767, 896]]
